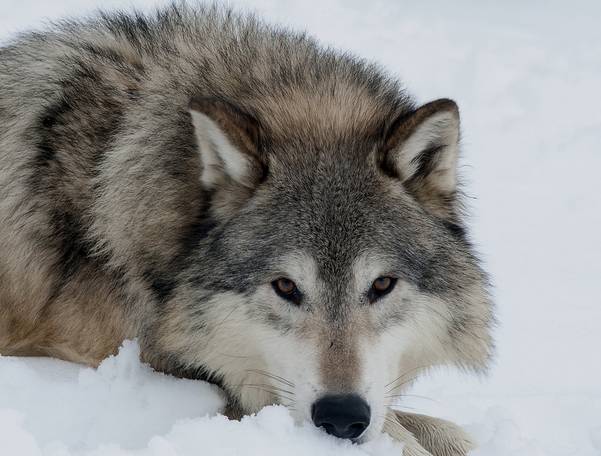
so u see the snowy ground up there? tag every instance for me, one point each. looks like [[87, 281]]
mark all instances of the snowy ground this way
[[527, 77]]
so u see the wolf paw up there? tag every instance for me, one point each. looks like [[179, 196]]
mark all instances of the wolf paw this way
[[424, 435]]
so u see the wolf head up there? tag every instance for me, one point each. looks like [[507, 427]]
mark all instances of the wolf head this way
[[337, 267]]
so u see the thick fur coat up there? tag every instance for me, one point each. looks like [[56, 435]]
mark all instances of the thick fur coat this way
[[158, 174]]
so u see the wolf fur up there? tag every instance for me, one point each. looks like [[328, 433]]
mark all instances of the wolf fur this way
[[157, 173]]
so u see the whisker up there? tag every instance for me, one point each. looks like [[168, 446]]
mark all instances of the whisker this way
[[272, 376], [411, 395], [402, 407], [400, 377], [264, 385], [404, 374], [275, 393], [233, 356]]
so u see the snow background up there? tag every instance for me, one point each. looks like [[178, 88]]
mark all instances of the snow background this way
[[527, 77]]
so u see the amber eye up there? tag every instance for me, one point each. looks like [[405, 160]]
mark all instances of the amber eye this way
[[380, 287], [286, 288], [382, 284]]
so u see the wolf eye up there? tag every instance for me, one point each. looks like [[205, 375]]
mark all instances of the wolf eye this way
[[286, 288], [380, 287]]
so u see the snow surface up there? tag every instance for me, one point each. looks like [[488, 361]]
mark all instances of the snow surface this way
[[527, 77]]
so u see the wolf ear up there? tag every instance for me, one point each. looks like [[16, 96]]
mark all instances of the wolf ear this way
[[229, 143], [421, 149]]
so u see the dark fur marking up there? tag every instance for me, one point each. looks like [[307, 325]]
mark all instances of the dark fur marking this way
[[201, 373], [54, 129], [200, 229], [47, 121], [161, 285], [74, 250], [426, 160], [175, 368], [456, 230], [389, 168]]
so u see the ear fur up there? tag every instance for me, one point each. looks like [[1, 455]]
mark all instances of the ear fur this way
[[229, 143], [421, 149]]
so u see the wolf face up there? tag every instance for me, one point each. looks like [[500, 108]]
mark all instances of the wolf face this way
[[335, 272]]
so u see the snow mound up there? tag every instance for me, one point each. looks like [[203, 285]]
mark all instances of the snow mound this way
[[53, 408]]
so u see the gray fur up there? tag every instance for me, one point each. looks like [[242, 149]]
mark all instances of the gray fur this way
[[107, 230]]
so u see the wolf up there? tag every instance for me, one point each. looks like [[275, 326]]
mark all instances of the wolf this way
[[259, 211]]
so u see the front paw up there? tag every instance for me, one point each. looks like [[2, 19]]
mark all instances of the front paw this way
[[396, 430], [439, 437]]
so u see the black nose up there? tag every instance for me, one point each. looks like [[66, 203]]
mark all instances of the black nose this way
[[345, 416]]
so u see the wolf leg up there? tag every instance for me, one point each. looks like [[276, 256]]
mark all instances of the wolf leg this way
[[438, 437], [396, 430]]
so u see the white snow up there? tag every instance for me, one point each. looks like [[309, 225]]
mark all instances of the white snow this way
[[527, 77], [53, 408]]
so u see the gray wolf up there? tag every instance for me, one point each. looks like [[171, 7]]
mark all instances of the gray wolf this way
[[261, 212]]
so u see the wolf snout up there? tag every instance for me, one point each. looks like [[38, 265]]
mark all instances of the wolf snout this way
[[344, 416]]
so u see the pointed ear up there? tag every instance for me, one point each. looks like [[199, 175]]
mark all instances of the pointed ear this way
[[229, 143], [421, 149]]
